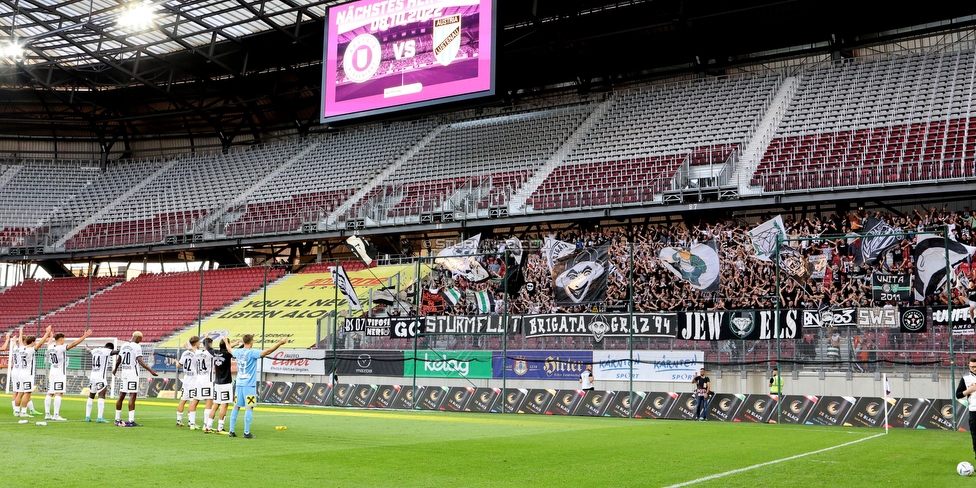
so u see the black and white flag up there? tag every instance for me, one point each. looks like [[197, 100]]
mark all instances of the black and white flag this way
[[581, 277], [931, 260], [341, 280], [363, 250], [877, 239]]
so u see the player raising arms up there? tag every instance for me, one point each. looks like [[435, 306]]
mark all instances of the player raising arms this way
[[188, 393], [247, 382], [28, 365], [57, 358], [130, 358], [205, 380], [223, 394], [98, 380]]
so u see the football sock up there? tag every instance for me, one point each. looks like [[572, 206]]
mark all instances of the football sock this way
[[57, 406], [47, 405], [233, 419], [101, 408], [248, 416], [88, 407]]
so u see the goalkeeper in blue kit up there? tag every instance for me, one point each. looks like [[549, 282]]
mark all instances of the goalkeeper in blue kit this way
[[247, 382]]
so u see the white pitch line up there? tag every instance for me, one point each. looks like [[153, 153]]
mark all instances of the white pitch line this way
[[767, 463]]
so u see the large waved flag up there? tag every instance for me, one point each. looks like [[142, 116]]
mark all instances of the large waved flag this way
[[698, 265], [876, 241], [553, 250], [363, 250], [794, 264], [930, 262], [514, 267], [342, 282], [765, 235], [581, 277], [457, 258], [483, 300]]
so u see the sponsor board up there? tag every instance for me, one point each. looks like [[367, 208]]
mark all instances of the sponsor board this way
[[565, 402], [595, 403], [656, 405], [757, 408], [295, 361], [298, 393], [361, 396], [666, 366], [457, 398], [794, 409], [725, 407], [545, 365], [448, 364], [484, 400], [831, 410], [385, 396]]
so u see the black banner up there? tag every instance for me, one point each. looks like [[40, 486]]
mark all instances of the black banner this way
[[457, 398], [598, 326], [891, 287], [408, 328], [757, 408], [738, 324], [367, 362], [912, 320], [962, 321], [794, 409]]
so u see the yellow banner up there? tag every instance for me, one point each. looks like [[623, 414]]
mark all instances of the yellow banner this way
[[294, 307]]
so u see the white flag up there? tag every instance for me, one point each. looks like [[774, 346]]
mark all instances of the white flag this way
[[456, 258], [341, 280], [553, 249], [764, 237]]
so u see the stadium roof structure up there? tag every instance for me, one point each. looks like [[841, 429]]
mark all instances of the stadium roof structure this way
[[228, 67]]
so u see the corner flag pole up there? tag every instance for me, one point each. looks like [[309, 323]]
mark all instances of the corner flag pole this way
[[885, 400]]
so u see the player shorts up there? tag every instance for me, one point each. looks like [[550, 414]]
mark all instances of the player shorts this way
[[223, 394], [57, 384], [189, 390], [96, 384], [204, 392], [129, 384], [247, 396], [24, 384]]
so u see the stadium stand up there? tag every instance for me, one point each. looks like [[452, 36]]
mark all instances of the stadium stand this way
[[33, 298], [313, 186], [458, 170], [634, 151], [158, 304], [888, 119], [173, 200]]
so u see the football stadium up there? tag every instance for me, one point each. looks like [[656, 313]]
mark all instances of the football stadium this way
[[554, 242]]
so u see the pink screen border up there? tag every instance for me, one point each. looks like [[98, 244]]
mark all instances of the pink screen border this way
[[446, 92]]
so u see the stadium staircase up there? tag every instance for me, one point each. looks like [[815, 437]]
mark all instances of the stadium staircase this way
[[357, 199], [756, 147], [229, 215], [59, 245], [517, 204]]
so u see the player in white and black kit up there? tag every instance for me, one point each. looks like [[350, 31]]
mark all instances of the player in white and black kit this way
[[129, 361], [27, 359], [188, 393], [205, 380], [98, 380], [223, 385], [57, 358]]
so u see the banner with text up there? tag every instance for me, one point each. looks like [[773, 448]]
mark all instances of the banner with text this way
[[665, 366]]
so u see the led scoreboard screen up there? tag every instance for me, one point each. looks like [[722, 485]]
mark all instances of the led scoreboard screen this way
[[385, 55]]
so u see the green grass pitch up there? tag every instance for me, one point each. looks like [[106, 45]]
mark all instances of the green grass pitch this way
[[366, 448]]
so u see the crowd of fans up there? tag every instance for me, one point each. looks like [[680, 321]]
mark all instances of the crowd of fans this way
[[745, 282]]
